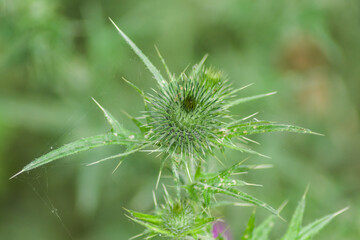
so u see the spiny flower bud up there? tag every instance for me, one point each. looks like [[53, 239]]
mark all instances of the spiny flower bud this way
[[188, 113], [178, 218]]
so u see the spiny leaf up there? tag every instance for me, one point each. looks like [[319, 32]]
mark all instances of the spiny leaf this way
[[231, 145], [239, 168], [249, 228], [157, 75], [146, 217], [152, 227], [237, 122], [135, 87], [262, 231], [296, 220], [171, 77], [240, 195], [199, 66], [247, 99], [133, 150], [139, 235], [76, 147], [265, 127], [139, 124], [128, 149], [313, 228], [116, 126], [229, 203], [239, 89]]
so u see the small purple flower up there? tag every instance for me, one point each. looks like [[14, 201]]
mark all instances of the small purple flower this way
[[220, 229]]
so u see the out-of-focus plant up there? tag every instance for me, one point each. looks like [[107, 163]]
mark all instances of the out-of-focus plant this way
[[187, 120], [34, 43]]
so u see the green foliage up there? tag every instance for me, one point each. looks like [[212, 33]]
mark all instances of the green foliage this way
[[295, 229], [249, 228], [117, 136], [187, 118], [207, 185]]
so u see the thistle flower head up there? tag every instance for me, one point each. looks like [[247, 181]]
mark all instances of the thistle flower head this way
[[187, 113]]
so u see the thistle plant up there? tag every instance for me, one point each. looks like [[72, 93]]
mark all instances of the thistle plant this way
[[187, 119]]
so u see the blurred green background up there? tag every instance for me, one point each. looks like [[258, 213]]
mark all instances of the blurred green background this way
[[55, 55]]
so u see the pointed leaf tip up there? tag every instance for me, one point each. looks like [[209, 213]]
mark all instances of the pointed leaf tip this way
[[80, 145], [306, 191], [132, 150], [247, 99], [171, 77], [341, 211], [313, 228], [116, 126], [155, 72], [16, 174], [135, 87]]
